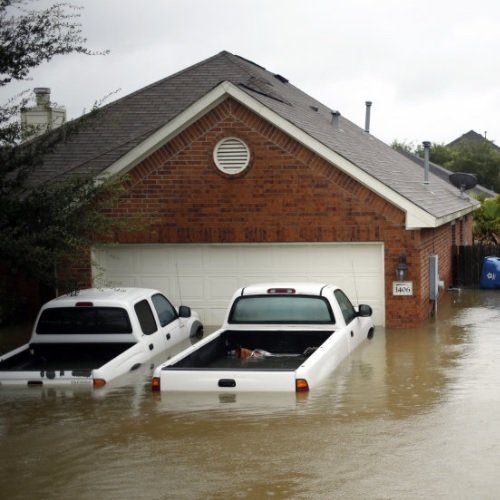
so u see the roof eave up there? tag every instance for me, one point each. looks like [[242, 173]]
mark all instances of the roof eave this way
[[433, 222], [167, 132], [416, 217]]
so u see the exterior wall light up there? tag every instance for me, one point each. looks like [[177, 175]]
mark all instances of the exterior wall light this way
[[402, 268]]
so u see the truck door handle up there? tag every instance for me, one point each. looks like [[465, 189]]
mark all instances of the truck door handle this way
[[352, 333], [227, 382], [168, 336]]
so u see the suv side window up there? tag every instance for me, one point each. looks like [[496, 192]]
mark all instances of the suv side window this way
[[145, 316], [166, 311], [346, 307]]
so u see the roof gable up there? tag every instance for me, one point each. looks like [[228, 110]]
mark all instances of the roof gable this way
[[471, 137], [130, 129]]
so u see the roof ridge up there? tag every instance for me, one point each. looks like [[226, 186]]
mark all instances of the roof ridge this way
[[242, 63], [165, 79]]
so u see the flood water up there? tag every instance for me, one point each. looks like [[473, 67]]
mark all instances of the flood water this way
[[411, 414]]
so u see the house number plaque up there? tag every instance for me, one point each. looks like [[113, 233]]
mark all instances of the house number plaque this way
[[402, 288]]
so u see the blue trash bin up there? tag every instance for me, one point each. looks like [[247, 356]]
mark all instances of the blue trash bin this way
[[490, 274]]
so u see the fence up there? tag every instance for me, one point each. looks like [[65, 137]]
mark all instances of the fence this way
[[468, 261]]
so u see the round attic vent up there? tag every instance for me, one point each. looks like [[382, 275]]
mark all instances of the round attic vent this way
[[231, 155]]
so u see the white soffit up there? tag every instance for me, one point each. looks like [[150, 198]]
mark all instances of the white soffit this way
[[416, 217]]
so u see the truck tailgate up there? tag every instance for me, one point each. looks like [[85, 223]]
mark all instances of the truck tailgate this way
[[57, 364], [174, 379], [47, 377]]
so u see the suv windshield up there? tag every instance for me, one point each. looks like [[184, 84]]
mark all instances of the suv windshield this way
[[76, 320], [281, 309]]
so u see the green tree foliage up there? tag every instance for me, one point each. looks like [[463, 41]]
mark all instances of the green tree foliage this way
[[481, 158], [444, 156], [29, 38], [42, 222], [478, 157], [403, 146], [487, 222]]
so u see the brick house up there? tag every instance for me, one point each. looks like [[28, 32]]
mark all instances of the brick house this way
[[241, 177]]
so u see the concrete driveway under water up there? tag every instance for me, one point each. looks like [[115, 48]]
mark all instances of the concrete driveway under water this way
[[411, 414]]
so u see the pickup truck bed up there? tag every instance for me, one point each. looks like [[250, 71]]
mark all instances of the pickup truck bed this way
[[89, 337], [278, 337], [287, 347], [62, 356]]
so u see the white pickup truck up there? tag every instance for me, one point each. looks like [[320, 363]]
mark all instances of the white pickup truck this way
[[276, 337], [92, 336]]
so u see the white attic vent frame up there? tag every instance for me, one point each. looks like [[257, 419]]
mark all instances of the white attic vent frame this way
[[231, 155]]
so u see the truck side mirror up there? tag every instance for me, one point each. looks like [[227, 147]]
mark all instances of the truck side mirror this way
[[184, 312], [364, 311]]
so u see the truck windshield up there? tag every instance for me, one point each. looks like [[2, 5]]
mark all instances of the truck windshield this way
[[81, 320], [281, 309]]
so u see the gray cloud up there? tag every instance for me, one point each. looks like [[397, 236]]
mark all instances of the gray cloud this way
[[430, 67]]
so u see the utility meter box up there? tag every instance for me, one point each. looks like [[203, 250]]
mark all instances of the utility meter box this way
[[433, 277]]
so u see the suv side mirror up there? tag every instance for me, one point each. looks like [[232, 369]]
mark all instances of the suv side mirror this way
[[364, 311], [184, 312]]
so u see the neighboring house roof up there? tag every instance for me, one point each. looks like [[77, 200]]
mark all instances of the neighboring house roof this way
[[444, 174], [471, 136], [131, 128]]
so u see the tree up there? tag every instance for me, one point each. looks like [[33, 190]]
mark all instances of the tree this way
[[29, 38], [41, 222], [481, 158], [487, 222]]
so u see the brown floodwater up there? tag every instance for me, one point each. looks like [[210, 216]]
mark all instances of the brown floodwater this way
[[411, 414]]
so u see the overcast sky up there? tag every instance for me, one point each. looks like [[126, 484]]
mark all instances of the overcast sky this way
[[431, 68]]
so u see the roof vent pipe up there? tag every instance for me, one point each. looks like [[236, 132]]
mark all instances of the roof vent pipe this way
[[367, 116], [427, 146], [335, 119]]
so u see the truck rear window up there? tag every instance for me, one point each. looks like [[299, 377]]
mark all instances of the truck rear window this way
[[281, 309], [81, 320]]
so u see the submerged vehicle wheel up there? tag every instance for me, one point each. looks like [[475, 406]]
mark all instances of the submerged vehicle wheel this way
[[196, 330]]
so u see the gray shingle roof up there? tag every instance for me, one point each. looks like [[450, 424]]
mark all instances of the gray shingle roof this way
[[470, 136], [128, 121]]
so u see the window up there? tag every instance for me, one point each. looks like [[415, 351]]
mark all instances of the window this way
[[146, 318], [165, 310], [281, 309], [84, 320], [231, 155], [346, 307]]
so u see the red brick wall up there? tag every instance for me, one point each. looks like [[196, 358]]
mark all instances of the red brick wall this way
[[288, 194]]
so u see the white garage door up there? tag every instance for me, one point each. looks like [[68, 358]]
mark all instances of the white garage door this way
[[204, 277]]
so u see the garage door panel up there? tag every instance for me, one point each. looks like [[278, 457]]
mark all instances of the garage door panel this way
[[115, 261], [205, 276], [218, 286], [188, 259], [263, 278], [220, 259], [291, 261], [192, 288], [117, 281], [213, 316], [148, 261], [159, 282], [256, 257]]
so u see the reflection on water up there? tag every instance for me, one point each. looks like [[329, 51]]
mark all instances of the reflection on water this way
[[411, 414]]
